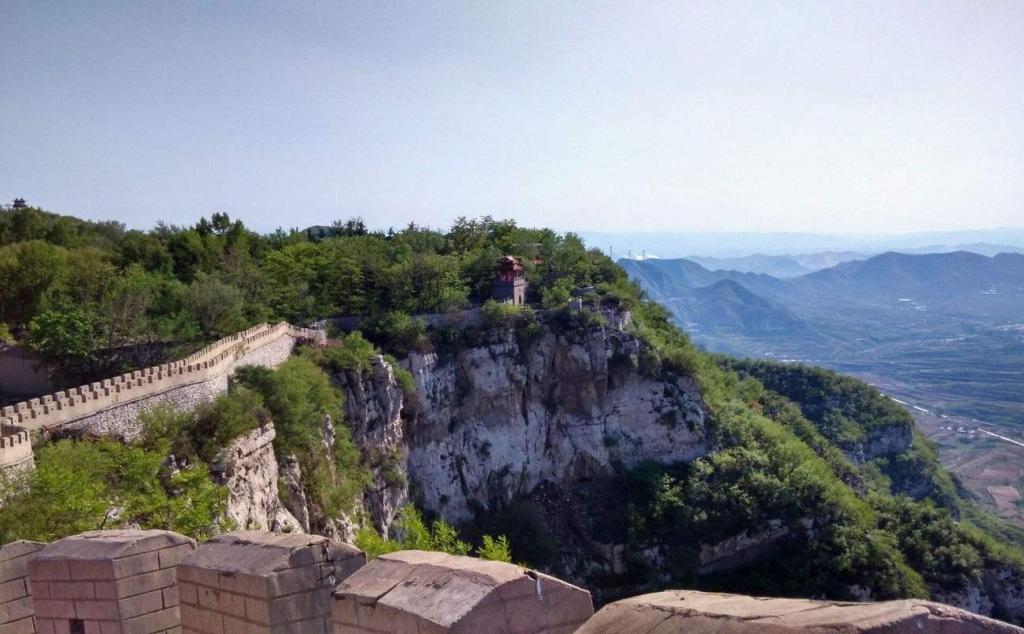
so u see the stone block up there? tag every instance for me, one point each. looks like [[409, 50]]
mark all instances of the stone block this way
[[113, 582], [97, 610], [141, 604], [426, 592], [678, 611], [152, 622]]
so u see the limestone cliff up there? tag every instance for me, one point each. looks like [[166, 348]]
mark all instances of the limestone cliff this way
[[493, 422], [251, 476]]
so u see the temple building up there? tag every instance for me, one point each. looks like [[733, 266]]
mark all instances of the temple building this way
[[509, 283]]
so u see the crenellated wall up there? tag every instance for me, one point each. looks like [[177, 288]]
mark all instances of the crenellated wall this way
[[111, 407], [15, 448]]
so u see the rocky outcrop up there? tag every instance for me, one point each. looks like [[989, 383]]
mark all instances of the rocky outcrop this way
[[679, 611], [493, 422], [251, 476], [1000, 592], [373, 407]]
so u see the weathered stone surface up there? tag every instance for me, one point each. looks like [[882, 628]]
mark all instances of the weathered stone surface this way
[[16, 610], [252, 479], [120, 581], [679, 611], [374, 403], [252, 581], [412, 590], [497, 420]]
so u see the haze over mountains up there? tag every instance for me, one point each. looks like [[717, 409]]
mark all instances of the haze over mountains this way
[[947, 326], [674, 244]]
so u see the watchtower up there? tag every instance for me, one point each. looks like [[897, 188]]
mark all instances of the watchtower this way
[[509, 284]]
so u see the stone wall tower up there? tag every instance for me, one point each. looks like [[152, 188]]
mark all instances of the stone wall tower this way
[[509, 284]]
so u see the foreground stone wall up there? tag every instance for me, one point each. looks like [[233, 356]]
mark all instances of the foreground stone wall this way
[[679, 611], [417, 591], [263, 582], [16, 610], [109, 581], [149, 582]]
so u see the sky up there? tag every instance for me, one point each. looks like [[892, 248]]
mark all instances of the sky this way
[[863, 117]]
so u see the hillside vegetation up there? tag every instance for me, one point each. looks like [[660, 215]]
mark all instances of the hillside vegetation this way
[[792, 446]]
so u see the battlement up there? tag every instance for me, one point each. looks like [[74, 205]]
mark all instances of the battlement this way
[[15, 447], [59, 408]]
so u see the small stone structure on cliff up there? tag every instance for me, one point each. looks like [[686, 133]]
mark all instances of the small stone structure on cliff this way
[[509, 284], [263, 582], [109, 581], [417, 591], [16, 610]]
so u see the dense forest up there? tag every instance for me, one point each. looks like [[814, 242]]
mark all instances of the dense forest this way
[[783, 434], [75, 289]]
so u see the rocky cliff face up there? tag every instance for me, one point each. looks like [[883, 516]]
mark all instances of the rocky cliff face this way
[[251, 476], [493, 422]]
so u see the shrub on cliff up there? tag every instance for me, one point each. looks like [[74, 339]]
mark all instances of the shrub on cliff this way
[[88, 485]]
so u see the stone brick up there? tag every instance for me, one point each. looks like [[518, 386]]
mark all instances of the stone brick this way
[[54, 609], [239, 626], [171, 557], [249, 585], [136, 565], [171, 596], [201, 620], [94, 570], [12, 589], [257, 610], [40, 589], [141, 604], [72, 589], [97, 610], [105, 589], [21, 626], [146, 582], [49, 570], [152, 622], [299, 607], [16, 609], [187, 593]]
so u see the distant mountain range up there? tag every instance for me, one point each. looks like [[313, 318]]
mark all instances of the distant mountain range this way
[[800, 264], [674, 244], [951, 324]]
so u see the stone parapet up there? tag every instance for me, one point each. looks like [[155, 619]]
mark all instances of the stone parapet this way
[[692, 612], [59, 408], [16, 611], [417, 591], [263, 582], [121, 581], [15, 448]]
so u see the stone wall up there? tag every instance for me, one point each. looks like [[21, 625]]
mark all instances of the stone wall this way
[[16, 611], [22, 373], [149, 582], [263, 582], [15, 448], [418, 591], [109, 581], [111, 407], [104, 406], [679, 611]]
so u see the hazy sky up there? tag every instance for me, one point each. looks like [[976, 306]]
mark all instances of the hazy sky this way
[[722, 116]]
